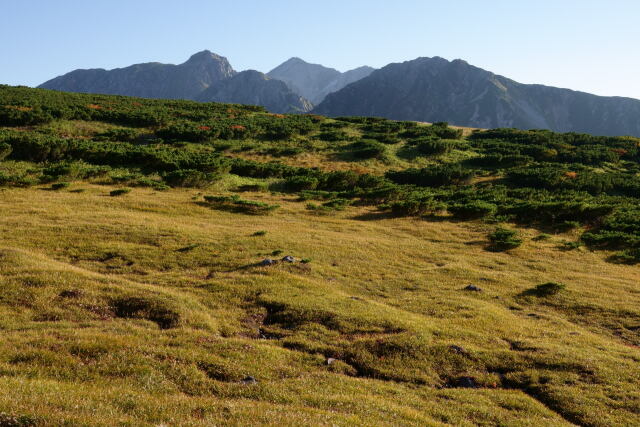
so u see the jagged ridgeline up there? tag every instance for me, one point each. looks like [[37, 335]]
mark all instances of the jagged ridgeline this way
[[174, 262]]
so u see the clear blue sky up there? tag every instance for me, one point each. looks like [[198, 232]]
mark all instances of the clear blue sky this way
[[586, 45]]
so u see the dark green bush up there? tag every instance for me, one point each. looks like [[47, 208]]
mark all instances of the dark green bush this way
[[435, 176], [301, 183], [189, 178], [435, 147], [368, 149], [503, 239], [334, 135], [627, 256], [128, 135], [473, 209], [546, 289]]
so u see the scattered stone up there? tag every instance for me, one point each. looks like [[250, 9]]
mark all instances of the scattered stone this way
[[288, 258], [466, 382], [249, 380], [330, 360], [458, 350], [267, 262], [472, 288]]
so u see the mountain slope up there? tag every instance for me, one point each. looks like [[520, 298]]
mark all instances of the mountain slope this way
[[314, 81], [149, 80], [255, 88], [172, 301], [434, 89]]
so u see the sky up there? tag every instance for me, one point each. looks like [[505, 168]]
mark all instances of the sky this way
[[588, 45]]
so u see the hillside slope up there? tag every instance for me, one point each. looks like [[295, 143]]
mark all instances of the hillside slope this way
[[183, 263], [434, 89]]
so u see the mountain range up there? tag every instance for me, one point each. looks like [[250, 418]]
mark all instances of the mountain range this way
[[424, 89], [434, 89], [204, 77]]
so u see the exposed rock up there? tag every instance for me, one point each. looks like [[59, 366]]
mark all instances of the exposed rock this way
[[267, 262], [288, 258], [330, 360], [472, 288], [249, 380]]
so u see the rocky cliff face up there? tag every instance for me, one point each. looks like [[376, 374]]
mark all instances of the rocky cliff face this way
[[149, 80], [434, 89], [313, 81], [255, 88]]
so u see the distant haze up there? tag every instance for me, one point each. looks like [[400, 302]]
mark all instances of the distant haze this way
[[584, 45]]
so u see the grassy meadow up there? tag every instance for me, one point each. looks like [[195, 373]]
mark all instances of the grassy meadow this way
[[153, 306]]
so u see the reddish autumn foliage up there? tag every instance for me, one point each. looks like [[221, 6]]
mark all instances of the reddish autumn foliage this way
[[204, 127], [238, 127], [571, 175], [619, 151], [94, 106]]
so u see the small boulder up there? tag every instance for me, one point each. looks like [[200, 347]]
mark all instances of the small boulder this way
[[288, 258], [267, 262], [472, 288], [249, 380], [330, 360]]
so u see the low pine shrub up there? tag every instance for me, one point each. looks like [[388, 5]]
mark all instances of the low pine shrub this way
[[189, 178], [628, 256], [438, 147], [301, 183], [504, 239], [546, 289], [473, 209], [368, 149]]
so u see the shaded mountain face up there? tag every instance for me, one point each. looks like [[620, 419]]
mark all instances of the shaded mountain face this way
[[434, 89], [149, 80], [255, 88], [204, 77], [314, 81]]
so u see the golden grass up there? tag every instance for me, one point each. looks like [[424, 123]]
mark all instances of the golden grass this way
[[384, 296]]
